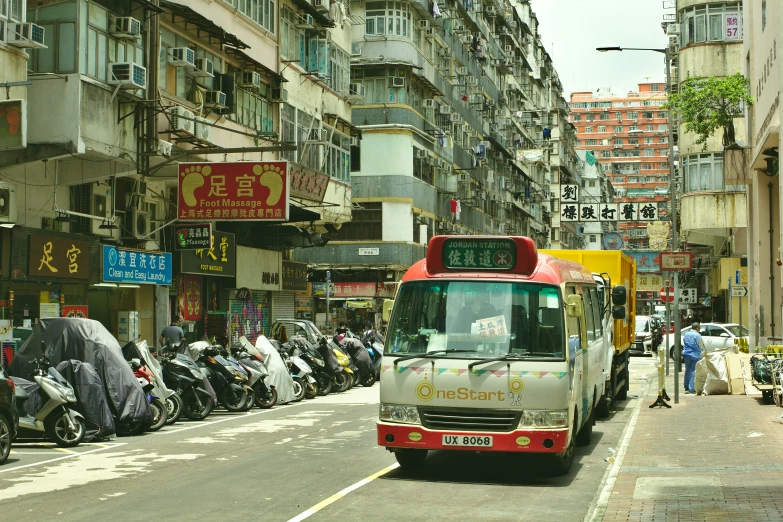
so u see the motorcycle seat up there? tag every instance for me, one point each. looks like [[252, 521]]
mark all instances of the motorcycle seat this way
[[20, 394]]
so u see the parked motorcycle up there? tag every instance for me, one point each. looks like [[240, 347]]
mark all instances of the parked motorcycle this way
[[182, 374], [228, 379], [265, 396], [159, 409], [373, 342], [348, 377], [301, 370], [47, 406], [364, 371], [309, 353]]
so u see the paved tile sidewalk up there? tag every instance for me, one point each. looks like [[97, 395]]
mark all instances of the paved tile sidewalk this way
[[708, 458]]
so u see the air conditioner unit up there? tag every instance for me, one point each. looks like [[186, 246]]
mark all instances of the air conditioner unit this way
[[606, 109], [182, 120], [7, 203], [100, 201], [508, 63], [316, 136], [321, 5], [424, 24], [125, 27], [251, 80], [432, 161], [215, 99], [672, 29], [305, 21], [455, 118], [182, 57], [464, 178], [356, 90], [203, 68], [466, 38], [203, 130], [496, 62], [137, 223], [429, 104], [445, 109], [472, 80], [398, 82], [618, 146], [458, 27], [462, 71], [508, 48], [421, 154], [429, 32], [164, 148], [490, 10], [278, 94], [28, 36], [127, 75]]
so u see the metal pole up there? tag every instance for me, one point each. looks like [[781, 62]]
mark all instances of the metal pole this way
[[668, 322], [740, 315], [731, 300], [328, 316], [675, 238]]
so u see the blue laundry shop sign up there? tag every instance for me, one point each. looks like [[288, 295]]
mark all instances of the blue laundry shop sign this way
[[121, 265]]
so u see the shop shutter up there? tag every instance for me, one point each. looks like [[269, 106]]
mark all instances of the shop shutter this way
[[251, 318], [283, 305]]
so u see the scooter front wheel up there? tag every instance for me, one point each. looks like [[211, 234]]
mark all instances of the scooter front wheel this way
[[58, 428], [311, 389], [299, 389], [174, 406], [343, 381], [193, 411], [369, 379], [233, 397], [266, 399], [324, 385], [160, 413]]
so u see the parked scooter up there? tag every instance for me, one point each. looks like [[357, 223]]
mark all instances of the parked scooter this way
[[346, 379], [310, 354], [373, 342], [300, 370], [265, 396], [226, 378], [160, 411], [182, 374], [54, 414]]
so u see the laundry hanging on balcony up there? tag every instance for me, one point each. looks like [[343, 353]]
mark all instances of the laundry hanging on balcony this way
[[435, 10], [456, 208]]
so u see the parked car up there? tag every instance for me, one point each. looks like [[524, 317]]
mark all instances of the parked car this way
[[715, 335], [9, 419], [642, 343], [302, 327]]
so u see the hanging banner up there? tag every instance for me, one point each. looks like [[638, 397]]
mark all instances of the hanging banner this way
[[246, 191], [193, 298], [77, 311]]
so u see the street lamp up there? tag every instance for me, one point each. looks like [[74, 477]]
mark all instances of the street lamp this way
[[672, 191]]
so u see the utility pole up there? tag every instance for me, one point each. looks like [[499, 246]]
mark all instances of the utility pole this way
[[328, 285]]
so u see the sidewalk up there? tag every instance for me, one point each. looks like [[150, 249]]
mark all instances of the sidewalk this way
[[708, 458]]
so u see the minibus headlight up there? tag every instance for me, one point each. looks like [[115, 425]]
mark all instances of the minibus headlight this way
[[544, 419], [399, 413]]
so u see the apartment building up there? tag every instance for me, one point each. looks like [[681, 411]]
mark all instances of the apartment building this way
[[629, 135], [118, 94], [458, 106], [595, 190]]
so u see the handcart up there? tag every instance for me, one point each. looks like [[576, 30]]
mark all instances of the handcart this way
[[766, 376]]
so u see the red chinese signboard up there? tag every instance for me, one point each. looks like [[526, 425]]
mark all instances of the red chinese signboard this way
[[676, 260], [247, 191], [354, 289], [307, 183], [78, 311]]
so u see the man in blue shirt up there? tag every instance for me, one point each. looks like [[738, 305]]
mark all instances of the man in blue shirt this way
[[692, 349]]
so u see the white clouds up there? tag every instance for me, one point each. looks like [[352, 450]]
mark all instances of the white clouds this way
[[572, 29]]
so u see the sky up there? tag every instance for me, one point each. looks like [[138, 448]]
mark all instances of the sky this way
[[572, 29]]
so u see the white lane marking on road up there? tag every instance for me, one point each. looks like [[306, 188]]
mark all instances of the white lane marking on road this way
[[340, 494], [112, 495], [6, 470], [85, 470], [610, 477]]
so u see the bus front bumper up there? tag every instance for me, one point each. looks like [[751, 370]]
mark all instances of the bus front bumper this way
[[393, 435]]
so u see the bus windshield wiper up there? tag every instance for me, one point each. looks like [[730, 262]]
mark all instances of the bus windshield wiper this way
[[426, 355], [507, 357]]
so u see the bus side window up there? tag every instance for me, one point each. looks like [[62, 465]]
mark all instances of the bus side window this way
[[597, 311], [588, 306], [573, 330]]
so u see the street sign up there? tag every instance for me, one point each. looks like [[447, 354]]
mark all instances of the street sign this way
[[676, 260], [688, 295], [479, 253], [664, 298], [739, 291], [194, 237], [738, 277]]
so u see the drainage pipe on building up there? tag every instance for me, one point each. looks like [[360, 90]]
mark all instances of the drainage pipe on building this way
[[771, 264]]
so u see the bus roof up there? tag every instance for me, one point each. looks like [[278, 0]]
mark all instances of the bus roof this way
[[532, 265]]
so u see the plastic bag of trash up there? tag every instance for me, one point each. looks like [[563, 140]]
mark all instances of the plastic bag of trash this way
[[717, 382], [701, 376]]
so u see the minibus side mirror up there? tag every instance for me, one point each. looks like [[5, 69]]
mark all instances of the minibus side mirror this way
[[619, 295], [618, 312], [574, 307], [387, 308]]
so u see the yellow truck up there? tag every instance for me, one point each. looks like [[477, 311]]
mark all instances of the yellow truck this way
[[611, 268]]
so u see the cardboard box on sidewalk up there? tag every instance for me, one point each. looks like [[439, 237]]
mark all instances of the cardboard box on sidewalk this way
[[734, 374]]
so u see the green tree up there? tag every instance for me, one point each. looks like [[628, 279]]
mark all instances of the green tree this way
[[708, 104]]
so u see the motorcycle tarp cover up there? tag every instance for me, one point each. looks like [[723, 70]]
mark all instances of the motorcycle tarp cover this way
[[359, 354], [88, 341], [193, 351], [34, 401], [279, 376], [332, 365], [91, 401], [141, 351]]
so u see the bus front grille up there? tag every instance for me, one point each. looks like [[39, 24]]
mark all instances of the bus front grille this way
[[468, 419]]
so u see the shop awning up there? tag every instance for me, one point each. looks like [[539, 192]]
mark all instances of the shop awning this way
[[358, 305], [343, 125], [182, 14]]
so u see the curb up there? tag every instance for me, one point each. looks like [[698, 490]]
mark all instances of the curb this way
[[610, 477]]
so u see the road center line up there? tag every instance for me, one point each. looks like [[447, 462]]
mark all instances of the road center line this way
[[70, 456], [340, 494]]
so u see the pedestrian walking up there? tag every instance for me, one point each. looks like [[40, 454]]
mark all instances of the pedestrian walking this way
[[692, 350]]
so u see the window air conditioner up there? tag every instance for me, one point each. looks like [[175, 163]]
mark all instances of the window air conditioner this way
[[7, 203], [462, 71], [125, 27], [321, 5], [305, 21], [398, 82], [445, 109], [164, 148], [508, 49], [215, 99], [464, 178], [278, 94], [429, 104], [182, 57], [472, 80], [251, 80], [424, 24], [490, 10], [127, 75], [28, 36], [203, 129], [182, 120], [137, 223], [203, 68], [421, 154]]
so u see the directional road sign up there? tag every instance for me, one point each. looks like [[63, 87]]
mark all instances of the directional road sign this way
[[739, 291]]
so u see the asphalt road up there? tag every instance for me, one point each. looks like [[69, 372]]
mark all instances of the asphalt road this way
[[315, 459]]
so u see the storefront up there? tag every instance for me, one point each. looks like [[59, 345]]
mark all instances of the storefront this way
[[353, 303], [205, 275], [294, 279], [250, 304], [125, 298]]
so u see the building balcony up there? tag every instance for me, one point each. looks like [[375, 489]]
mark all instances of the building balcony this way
[[713, 212]]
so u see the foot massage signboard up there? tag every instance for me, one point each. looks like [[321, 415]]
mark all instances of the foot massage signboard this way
[[245, 191]]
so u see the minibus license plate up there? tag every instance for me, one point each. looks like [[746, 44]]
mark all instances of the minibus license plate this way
[[467, 440]]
